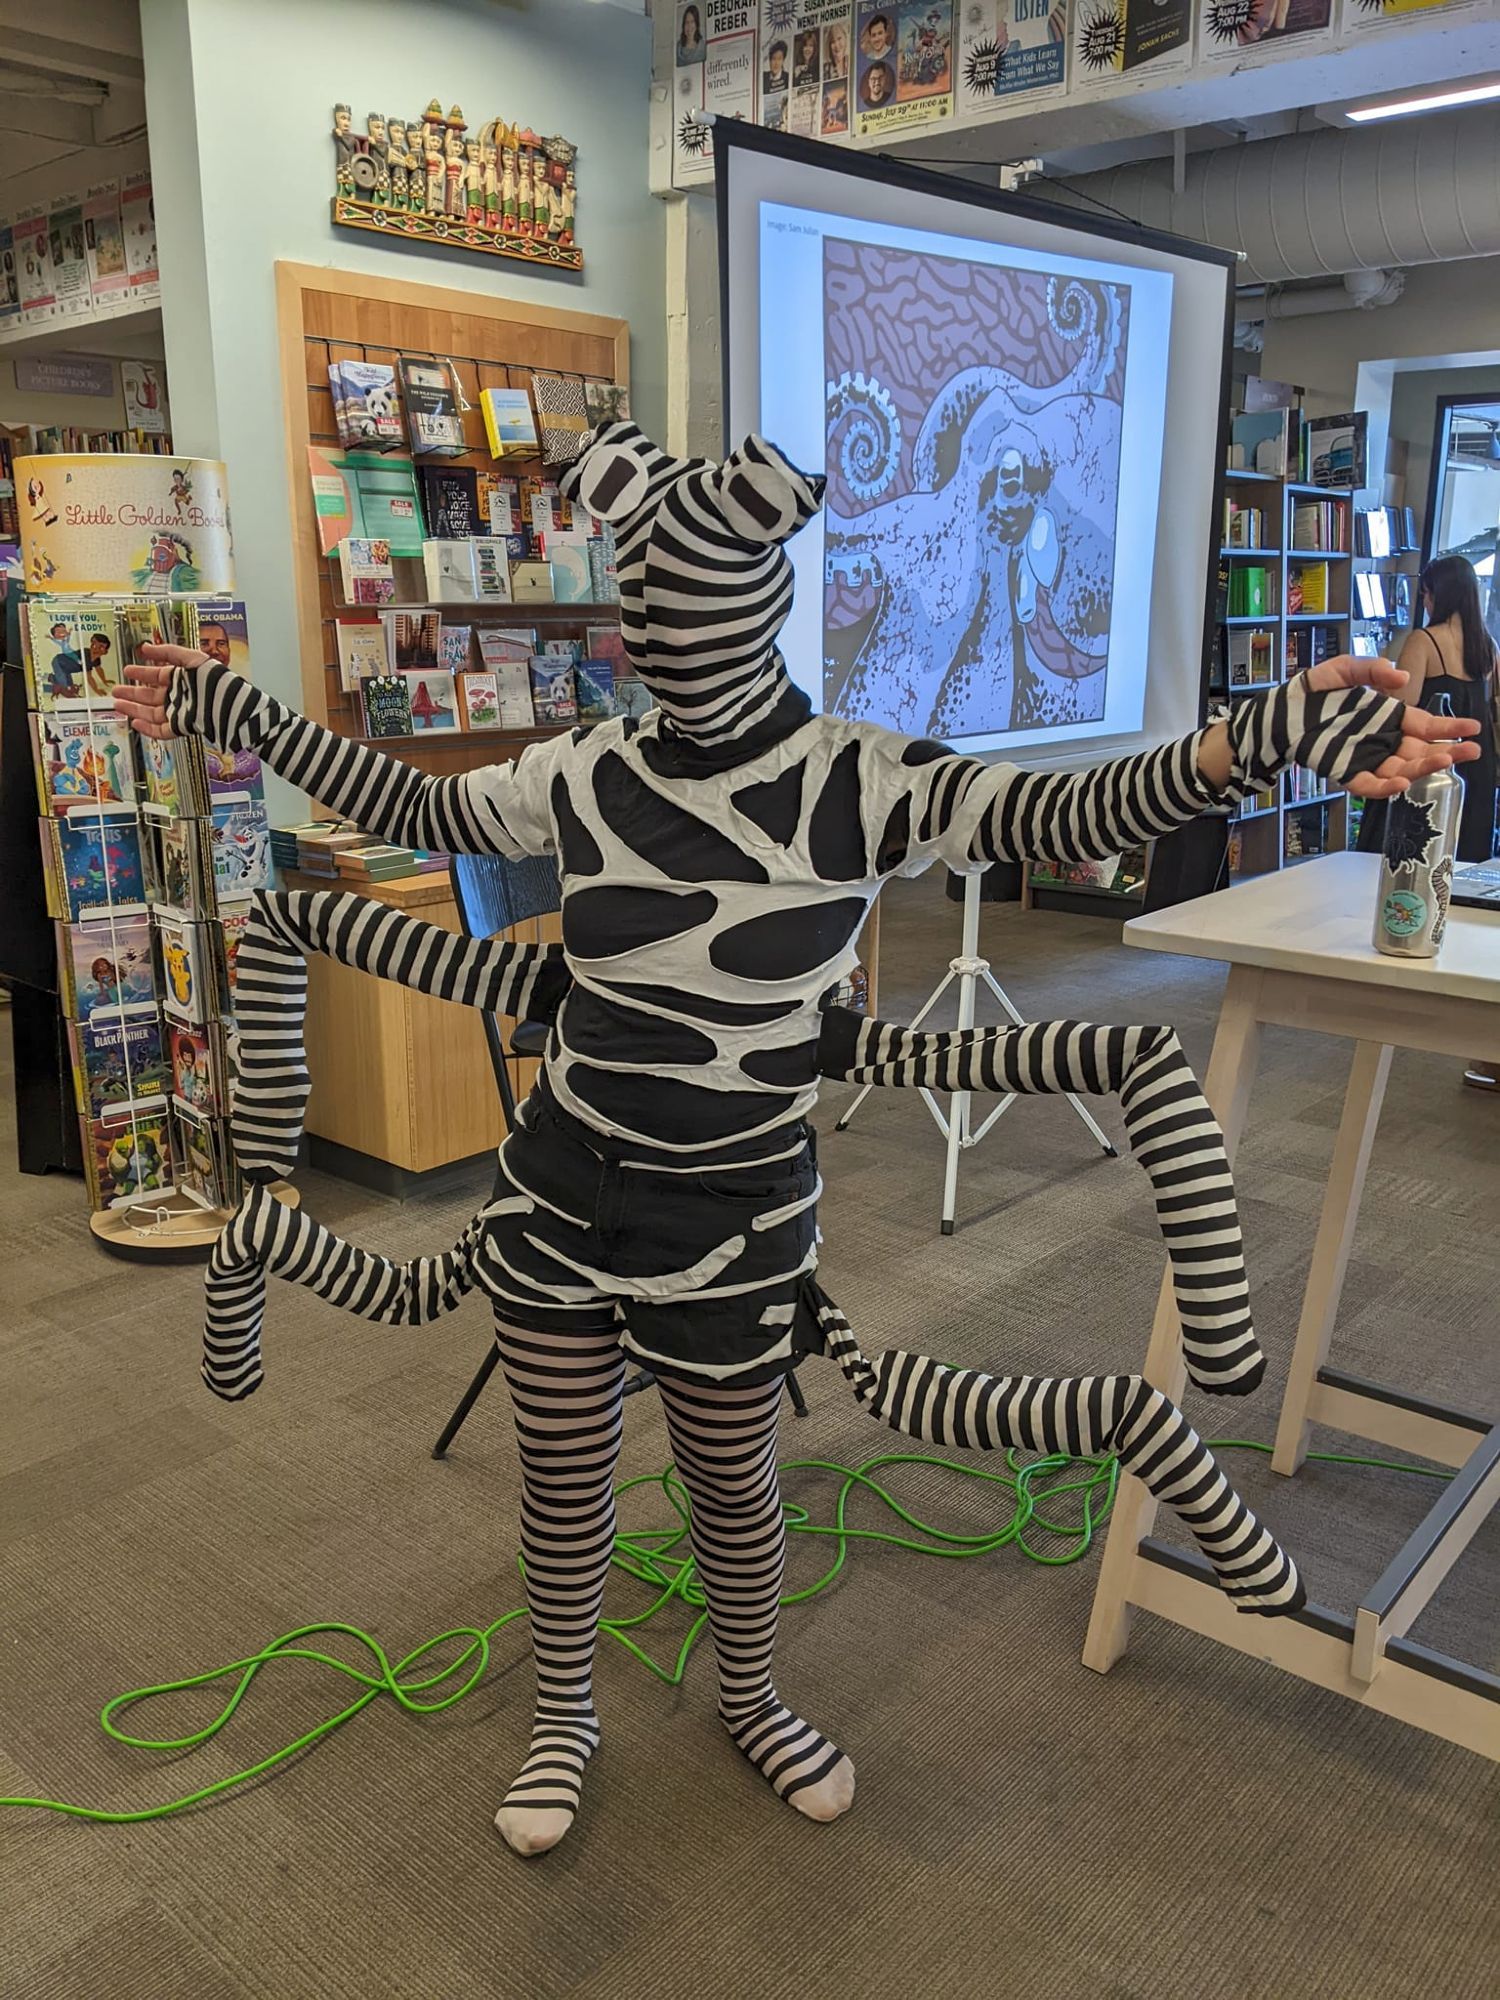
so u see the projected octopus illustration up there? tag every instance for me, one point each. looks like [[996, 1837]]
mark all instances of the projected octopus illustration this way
[[973, 455]]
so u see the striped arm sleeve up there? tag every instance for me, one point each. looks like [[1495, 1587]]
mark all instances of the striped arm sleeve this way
[[498, 810], [1076, 1417], [270, 1099], [1174, 1135]]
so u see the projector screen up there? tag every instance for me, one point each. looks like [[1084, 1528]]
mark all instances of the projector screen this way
[[1020, 418]]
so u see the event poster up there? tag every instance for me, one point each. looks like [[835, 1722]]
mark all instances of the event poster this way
[[33, 266], [1381, 13], [70, 259], [1236, 30], [970, 522], [138, 224], [804, 66], [1010, 47], [903, 65], [1135, 38], [10, 290], [109, 280], [713, 70]]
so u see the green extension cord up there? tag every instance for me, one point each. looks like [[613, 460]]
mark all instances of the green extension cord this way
[[653, 1558]]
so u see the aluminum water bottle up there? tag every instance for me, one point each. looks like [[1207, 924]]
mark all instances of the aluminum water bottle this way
[[1416, 867]]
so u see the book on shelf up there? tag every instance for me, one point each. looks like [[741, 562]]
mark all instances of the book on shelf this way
[[632, 697], [366, 409], [594, 682], [433, 701], [507, 655], [606, 403], [490, 555], [70, 652], [1306, 589], [480, 694], [500, 513], [172, 777], [1336, 450], [386, 700], [448, 567], [1249, 590], [1319, 525], [455, 647], [1250, 658], [190, 977], [92, 865], [83, 760], [450, 502], [604, 642], [1369, 591], [240, 847], [509, 426], [361, 649], [1261, 442], [563, 649], [366, 571], [545, 511], [107, 967], [411, 639], [196, 1068], [119, 1065], [367, 496], [203, 1164], [569, 564], [562, 416], [129, 1160], [432, 416], [222, 630], [553, 695], [184, 862], [1244, 527]]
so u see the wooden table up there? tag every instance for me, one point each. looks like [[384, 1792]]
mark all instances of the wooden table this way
[[402, 1086], [1298, 947]]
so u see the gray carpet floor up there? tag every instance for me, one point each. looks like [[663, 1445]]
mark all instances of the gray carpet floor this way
[[1193, 1824]]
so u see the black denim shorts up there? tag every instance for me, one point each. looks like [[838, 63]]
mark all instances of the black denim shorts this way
[[701, 1271]]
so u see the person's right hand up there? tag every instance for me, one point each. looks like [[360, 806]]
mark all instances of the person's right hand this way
[[142, 696]]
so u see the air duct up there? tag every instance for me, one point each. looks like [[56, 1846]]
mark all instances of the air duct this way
[[1318, 204]]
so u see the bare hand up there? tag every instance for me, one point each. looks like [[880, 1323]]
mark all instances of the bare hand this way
[[1427, 743], [142, 697]]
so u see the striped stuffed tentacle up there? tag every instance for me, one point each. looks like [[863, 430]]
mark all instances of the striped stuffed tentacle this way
[[1173, 1134], [263, 1236], [270, 1000], [1080, 1416]]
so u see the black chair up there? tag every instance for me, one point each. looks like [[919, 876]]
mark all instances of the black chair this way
[[493, 894]]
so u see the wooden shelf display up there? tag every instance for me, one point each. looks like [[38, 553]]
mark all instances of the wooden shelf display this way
[[1296, 819], [326, 315]]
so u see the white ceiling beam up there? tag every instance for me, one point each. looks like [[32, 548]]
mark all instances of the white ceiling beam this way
[[104, 40], [46, 118]]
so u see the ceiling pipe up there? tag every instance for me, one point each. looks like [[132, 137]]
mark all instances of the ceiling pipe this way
[[1317, 204]]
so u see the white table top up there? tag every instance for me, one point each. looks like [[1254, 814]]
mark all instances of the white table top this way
[[1316, 918]]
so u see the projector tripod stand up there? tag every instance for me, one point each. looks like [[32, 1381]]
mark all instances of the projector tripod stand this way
[[968, 970]]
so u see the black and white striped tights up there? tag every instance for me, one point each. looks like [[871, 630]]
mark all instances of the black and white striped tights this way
[[566, 1393]]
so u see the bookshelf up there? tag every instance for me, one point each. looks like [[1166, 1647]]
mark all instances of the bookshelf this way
[[1298, 818], [326, 315]]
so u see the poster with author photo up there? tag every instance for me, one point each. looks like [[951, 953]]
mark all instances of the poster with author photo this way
[[1118, 38], [903, 65], [1237, 31], [1010, 48], [803, 45]]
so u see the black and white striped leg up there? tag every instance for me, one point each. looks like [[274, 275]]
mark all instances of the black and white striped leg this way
[[263, 1236], [1173, 1134], [1080, 1416], [566, 1392], [270, 1000], [724, 1446]]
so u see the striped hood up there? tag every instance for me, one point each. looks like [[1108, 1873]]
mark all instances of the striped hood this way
[[705, 583]]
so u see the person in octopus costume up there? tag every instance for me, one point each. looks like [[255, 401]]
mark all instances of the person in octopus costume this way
[[658, 1195]]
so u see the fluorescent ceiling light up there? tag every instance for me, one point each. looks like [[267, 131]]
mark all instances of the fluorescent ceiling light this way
[[1437, 100]]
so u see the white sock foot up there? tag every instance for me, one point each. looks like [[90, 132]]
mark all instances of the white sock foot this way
[[539, 1807], [801, 1767]]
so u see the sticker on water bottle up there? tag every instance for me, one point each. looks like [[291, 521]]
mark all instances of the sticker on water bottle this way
[[1402, 914], [1442, 890]]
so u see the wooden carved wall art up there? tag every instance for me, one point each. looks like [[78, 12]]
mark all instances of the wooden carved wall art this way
[[501, 190]]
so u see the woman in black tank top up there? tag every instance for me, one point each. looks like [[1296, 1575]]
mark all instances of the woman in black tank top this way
[[1452, 654]]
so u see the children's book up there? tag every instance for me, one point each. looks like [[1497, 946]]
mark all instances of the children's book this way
[[94, 865], [632, 697], [223, 632], [233, 774], [553, 697], [119, 1064], [107, 967], [387, 705], [606, 403], [431, 407], [365, 405], [490, 555], [507, 655], [185, 879], [362, 650], [173, 776], [130, 1160], [434, 701], [449, 570], [365, 571], [71, 654], [595, 684], [241, 848], [195, 1159], [481, 700], [603, 642], [509, 424], [83, 760], [196, 1079], [229, 932], [455, 644], [190, 984], [450, 501], [411, 639]]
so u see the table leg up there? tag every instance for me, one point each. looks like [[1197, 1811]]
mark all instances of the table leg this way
[[1231, 1071], [1335, 1239]]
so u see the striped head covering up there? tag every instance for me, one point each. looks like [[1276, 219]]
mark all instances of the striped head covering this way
[[705, 584]]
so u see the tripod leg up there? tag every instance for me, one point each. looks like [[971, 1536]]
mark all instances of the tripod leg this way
[[641, 1379], [842, 1124], [1106, 1144], [958, 1119], [467, 1401], [794, 1390]]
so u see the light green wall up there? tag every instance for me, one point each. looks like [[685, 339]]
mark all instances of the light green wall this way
[[240, 96]]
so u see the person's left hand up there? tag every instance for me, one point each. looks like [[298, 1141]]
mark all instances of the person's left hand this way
[[1427, 741]]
